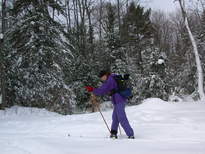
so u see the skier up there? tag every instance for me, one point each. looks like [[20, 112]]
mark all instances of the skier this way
[[119, 115]]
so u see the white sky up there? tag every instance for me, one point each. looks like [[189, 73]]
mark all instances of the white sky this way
[[164, 5]]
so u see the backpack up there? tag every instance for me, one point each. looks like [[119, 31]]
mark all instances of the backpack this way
[[124, 87]]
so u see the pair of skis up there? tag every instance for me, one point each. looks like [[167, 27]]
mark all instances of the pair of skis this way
[[96, 137]]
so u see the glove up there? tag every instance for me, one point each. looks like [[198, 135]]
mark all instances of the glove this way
[[89, 88]]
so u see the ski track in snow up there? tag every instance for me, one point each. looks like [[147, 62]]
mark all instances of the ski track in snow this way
[[160, 128]]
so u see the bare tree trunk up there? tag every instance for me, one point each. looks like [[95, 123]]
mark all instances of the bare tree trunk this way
[[81, 5], [100, 26], [88, 11], [198, 62], [127, 4], [53, 12], [68, 14], [118, 15], [76, 20], [202, 4]]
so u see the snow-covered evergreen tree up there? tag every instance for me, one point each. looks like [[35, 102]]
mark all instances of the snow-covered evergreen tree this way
[[38, 57], [119, 67], [154, 76], [202, 41], [111, 28]]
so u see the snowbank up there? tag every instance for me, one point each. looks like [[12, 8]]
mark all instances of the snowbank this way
[[26, 112], [160, 128]]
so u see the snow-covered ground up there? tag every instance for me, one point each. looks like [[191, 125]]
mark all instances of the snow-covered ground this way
[[160, 128]]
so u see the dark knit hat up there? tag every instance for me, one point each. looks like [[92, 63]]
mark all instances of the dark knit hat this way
[[102, 73]]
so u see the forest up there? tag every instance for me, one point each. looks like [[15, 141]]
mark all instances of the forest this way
[[51, 49]]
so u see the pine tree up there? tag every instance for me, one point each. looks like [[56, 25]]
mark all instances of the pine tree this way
[[5, 7], [136, 24], [119, 67], [111, 35], [202, 41], [112, 42], [38, 55], [136, 32]]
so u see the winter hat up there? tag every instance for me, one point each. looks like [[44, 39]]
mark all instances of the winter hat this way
[[102, 73]]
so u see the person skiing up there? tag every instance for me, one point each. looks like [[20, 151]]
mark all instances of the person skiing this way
[[119, 114]]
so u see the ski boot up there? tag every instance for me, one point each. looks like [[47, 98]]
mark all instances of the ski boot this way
[[113, 134], [131, 137]]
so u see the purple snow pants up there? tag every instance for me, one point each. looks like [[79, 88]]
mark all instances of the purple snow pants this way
[[119, 116]]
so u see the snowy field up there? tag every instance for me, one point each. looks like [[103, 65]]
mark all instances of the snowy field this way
[[160, 128]]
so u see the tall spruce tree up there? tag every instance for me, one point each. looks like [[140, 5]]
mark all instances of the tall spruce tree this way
[[136, 35], [111, 29], [136, 32], [38, 56], [113, 51]]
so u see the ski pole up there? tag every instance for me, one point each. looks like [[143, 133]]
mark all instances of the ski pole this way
[[94, 101], [120, 130]]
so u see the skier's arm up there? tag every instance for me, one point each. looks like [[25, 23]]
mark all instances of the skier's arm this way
[[106, 87]]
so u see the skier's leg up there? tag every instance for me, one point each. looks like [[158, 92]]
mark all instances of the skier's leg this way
[[115, 122], [122, 118]]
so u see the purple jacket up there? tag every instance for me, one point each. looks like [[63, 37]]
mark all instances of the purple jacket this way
[[106, 87]]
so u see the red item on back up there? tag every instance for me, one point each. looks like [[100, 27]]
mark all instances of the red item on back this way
[[89, 88]]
